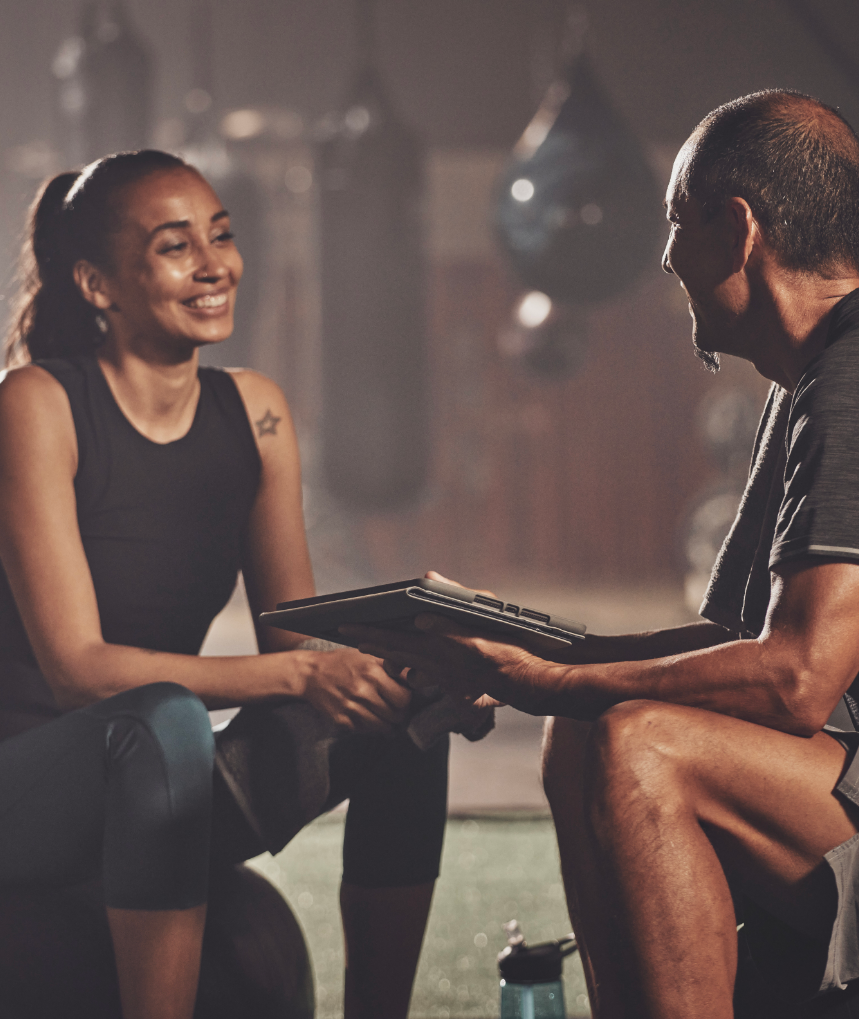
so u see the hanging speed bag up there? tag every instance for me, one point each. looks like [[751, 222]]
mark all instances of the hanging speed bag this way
[[578, 210]]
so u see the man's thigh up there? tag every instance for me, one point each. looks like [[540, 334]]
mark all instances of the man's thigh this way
[[766, 799]]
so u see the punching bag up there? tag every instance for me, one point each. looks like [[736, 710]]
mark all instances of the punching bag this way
[[578, 211], [375, 444], [105, 86], [239, 191], [116, 74]]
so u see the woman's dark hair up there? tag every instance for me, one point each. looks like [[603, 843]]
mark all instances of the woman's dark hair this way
[[795, 160], [72, 218]]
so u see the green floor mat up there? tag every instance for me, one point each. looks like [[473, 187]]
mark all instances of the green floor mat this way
[[494, 868]]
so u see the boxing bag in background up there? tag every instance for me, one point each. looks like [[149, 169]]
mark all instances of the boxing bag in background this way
[[105, 86], [240, 192], [578, 212], [375, 443]]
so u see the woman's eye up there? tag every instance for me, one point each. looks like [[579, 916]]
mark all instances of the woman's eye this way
[[168, 248], [224, 237]]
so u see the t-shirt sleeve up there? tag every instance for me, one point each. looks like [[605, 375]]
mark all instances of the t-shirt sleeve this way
[[819, 514]]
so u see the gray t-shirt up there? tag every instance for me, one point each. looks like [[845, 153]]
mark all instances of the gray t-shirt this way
[[802, 496]]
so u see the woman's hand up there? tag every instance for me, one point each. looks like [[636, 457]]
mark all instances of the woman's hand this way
[[354, 690]]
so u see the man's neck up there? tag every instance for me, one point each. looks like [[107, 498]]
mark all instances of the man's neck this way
[[795, 323]]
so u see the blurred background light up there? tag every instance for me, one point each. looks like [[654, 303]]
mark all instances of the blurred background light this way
[[197, 100], [534, 309], [241, 124], [298, 179]]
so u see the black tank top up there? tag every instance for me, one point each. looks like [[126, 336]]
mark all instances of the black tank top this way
[[163, 527]]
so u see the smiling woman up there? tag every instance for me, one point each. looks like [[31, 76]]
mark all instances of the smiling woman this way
[[134, 484]]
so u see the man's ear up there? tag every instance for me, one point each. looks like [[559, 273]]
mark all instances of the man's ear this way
[[744, 231], [92, 284]]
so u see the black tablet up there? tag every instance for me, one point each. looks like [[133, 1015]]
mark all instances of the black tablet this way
[[396, 605]]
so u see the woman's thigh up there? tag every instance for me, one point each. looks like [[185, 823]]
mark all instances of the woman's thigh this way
[[52, 801], [122, 787]]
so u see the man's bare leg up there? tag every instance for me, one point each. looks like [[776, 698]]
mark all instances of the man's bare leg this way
[[564, 750], [664, 785]]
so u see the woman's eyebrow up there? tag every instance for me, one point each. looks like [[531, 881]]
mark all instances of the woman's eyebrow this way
[[183, 224]]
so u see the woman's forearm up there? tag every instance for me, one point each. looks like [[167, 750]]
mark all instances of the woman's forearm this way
[[100, 670]]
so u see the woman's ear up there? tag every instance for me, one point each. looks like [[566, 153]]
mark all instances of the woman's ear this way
[[93, 285]]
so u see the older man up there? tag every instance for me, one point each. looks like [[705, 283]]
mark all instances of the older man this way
[[682, 758]]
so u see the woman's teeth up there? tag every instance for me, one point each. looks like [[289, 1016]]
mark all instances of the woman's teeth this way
[[208, 301]]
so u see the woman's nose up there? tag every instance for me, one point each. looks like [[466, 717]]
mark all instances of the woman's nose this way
[[211, 267]]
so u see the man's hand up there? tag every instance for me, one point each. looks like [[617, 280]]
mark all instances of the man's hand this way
[[575, 654], [461, 661], [354, 690]]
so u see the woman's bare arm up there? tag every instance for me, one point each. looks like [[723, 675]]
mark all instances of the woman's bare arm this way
[[277, 564], [43, 555], [276, 561]]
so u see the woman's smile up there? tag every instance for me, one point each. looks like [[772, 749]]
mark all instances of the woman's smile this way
[[210, 304]]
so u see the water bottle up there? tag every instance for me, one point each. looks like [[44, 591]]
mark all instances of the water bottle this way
[[531, 984]]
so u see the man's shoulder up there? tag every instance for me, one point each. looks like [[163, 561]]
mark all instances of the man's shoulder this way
[[832, 378]]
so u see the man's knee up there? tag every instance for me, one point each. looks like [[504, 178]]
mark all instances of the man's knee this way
[[636, 753], [618, 738], [634, 735]]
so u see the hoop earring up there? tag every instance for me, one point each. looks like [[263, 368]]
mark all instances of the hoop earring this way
[[102, 323]]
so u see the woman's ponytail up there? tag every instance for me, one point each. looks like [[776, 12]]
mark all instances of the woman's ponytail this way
[[72, 218], [50, 317]]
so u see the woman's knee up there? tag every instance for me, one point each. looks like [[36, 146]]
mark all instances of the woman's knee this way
[[170, 723], [160, 757]]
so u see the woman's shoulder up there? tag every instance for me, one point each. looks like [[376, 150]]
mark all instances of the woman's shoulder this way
[[266, 407], [35, 413], [253, 384], [258, 392], [32, 382], [55, 386]]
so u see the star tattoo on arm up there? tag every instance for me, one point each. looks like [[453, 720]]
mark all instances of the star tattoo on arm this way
[[267, 425]]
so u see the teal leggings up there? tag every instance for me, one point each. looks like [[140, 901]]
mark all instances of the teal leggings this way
[[124, 789]]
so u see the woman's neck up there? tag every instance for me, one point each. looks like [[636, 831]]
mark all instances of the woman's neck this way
[[159, 399]]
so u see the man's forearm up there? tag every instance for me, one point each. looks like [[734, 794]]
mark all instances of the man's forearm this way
[[747, 679], [640, 647]]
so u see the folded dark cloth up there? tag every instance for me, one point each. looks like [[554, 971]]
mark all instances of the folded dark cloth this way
[[293, 741]]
